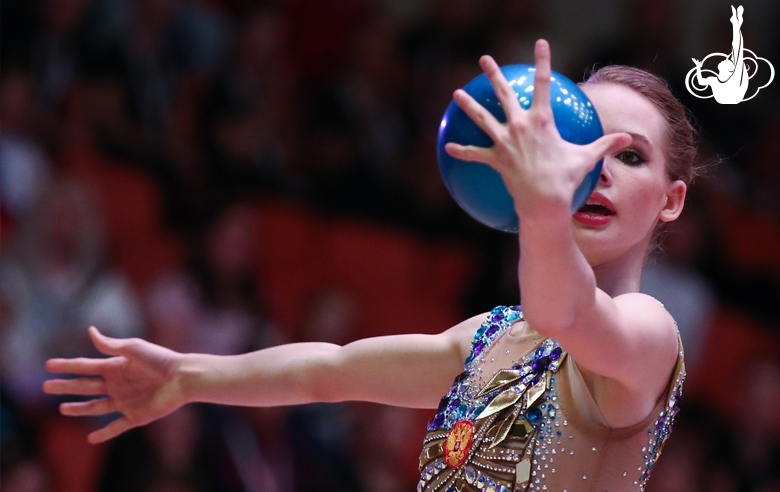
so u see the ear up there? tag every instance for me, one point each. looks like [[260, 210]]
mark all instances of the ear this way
[[675, 200]]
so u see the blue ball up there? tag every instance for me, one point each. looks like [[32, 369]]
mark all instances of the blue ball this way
[[478, 188]]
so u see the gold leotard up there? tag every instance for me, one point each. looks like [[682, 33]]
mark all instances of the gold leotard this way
[[534, 425]]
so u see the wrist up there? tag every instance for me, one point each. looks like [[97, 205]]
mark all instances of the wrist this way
[[545, 212], [188, 377]]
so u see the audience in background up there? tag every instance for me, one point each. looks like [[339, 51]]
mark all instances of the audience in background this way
[[216, 104], [213, 305], [54, 281]]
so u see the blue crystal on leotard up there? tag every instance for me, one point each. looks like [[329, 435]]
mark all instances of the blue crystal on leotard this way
[[492, 330], [556, 353], [533, 415], [540, 364]]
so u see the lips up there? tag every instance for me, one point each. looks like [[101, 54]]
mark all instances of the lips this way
[[597, 211]]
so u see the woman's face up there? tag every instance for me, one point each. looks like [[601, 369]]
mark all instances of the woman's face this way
[[634, 180]]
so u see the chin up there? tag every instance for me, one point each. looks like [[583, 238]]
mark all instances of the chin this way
[[593, 243], [602, 246]]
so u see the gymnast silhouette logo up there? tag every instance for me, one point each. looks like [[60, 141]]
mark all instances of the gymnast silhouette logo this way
[[735, 70]]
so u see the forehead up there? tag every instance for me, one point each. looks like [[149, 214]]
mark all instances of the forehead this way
[[621, 109]]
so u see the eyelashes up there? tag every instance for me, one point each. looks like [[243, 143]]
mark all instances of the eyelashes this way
[[631, 157]]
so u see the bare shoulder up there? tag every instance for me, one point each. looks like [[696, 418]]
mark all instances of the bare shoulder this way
[[653, 335], [647, 349], [645, 313]]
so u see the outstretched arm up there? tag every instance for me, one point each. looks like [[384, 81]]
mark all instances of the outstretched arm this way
[[145, 382]]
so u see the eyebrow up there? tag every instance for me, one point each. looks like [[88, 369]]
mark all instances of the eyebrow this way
[[638, 136]]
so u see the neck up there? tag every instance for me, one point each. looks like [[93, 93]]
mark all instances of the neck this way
[[621, 275]]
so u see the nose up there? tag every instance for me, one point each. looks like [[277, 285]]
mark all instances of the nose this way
[[605, 178]]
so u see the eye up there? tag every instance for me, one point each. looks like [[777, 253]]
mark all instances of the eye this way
[[631, 157]]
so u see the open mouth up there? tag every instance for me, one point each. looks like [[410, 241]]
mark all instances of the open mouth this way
[[595, 209]]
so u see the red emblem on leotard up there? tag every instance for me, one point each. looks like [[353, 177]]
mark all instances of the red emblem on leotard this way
[[458, 443]]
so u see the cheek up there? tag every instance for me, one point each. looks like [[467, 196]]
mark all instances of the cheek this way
[[643, 196]]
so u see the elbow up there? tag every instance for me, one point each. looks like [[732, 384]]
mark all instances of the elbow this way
[[554, 320], [320, 381]]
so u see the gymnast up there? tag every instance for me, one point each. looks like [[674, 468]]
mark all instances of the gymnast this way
[[574, 391]]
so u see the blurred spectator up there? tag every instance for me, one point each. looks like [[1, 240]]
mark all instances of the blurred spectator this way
[[248, 120], [213, 306], [25, 169], [60, 47], [321, 434], [54, 283], [21, 470], [453, 30], [174, 454], [29, 476], [164, 41], [519, 24], [757, 443], [432, 210], [334, 104], [764, 188], [656, 50], [750, 453], [387, 448], [373, 91], [332, 316], [338, 176], [261, 450], [742, 261]]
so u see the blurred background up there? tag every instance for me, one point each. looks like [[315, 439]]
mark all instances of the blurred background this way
[[226, 175]]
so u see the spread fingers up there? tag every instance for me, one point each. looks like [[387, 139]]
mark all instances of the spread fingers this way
[[79, 386], [101, 406]]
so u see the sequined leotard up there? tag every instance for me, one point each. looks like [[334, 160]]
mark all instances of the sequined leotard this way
[[535, 426]]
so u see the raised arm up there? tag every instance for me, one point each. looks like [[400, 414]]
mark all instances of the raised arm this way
[[627, 338], [145, 382]]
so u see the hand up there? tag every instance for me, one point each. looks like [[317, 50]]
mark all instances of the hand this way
[[696, 62], [540, 170], [139, 381]]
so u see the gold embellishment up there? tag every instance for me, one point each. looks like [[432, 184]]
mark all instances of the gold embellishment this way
[[430, 452], [505, 427], [535, 392], [502, 378], [504, 400]]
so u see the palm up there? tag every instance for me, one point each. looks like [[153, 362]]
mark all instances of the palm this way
[[138, 382], [528, 143]]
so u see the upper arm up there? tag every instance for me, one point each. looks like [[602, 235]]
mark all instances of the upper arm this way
[[401, 370], [631, 339]]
